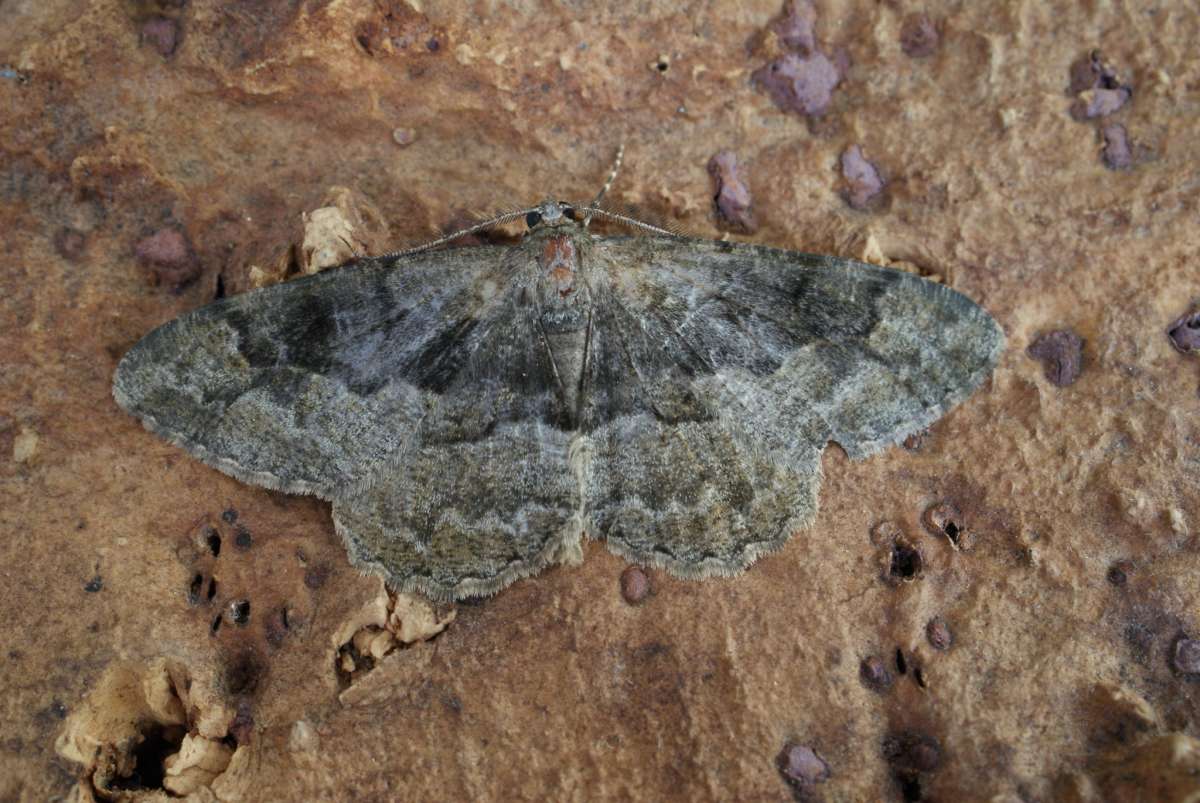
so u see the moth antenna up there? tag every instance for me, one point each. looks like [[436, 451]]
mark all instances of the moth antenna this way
[[499, 220], [626, 220], [651, 219], [612, 176]]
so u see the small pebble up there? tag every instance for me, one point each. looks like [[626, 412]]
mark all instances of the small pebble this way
[[801, 766], [939, 635], [635, 585]]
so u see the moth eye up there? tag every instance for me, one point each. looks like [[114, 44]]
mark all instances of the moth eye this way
[[569, 212], [533, 218]]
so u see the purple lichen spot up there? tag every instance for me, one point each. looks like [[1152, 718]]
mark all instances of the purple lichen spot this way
[[1099, 91], [1184, 332], [1117, 153], [1061, 354], [919, 36], [797, 28], [730, 193], [161, 33], [864, 185], [1099, 102], [800, 766], [168, 256], [802, 80], [874, 674], [1185, 656], [800, 83]]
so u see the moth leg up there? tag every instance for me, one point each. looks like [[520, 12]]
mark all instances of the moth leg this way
[[460, 519]]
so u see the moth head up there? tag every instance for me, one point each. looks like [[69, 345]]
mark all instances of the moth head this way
[[550, 213]]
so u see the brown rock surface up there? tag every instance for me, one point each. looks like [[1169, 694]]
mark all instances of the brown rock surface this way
[[225, 123]]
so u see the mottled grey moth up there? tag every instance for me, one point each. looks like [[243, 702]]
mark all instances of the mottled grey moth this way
[[472, 413]]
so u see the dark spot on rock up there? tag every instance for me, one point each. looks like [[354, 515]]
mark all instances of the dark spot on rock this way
[[396, 27], [1092, 72], [195, 588], [1185, 656], [161, 33], [239, 611], [452, 703], [94, 585], [911, 752], [212, 540], [800, 766], [944, 519], [1061, 355], [229, 516], [149, 755], [730, 193], [242, 727], [635, 585], [937, 632], [212, 589], [885, 533], [915, 441], [169, 257], [800, 84], [1117, 154], [863, 185], [365, 34], [276, 628], [1118, 573], [919, 677], [69, 243], [1184, 332], [919, 36], [874, 674], [216, 623], [242, 673], [315, 576], [901, 664], [50, 715], [906, 562], [242, 538]]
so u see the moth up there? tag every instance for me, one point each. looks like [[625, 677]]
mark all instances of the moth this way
[[473, 413]]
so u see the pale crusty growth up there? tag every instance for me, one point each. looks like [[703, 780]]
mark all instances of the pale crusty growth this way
[[473, 413]]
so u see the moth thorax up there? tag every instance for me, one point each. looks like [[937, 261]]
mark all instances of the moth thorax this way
[[559, 263]]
